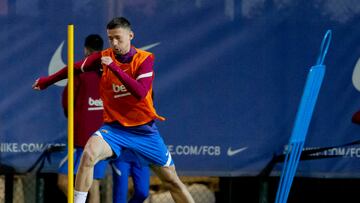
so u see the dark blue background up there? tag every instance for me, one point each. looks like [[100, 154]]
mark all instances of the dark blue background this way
[[228, 74]]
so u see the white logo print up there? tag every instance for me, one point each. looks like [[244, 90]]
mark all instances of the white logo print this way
[[231, 152], [356, 75], [120, 89], [56, 63], [95, 104]]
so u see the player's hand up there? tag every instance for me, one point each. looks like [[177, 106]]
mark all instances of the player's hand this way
[[36, 86], [40, 83], [106, 60]]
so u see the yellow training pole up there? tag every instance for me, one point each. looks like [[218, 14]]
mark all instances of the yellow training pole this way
[[70, 113]]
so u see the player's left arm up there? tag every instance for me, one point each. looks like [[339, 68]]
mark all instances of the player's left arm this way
[[140, 86], [90, 63]]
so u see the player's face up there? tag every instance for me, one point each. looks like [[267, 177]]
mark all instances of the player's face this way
[[120, 40]]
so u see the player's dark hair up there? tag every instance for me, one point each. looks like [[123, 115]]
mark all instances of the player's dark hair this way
[[94, 42], [119, 22]]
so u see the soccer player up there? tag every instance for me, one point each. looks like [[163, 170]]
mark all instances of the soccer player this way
[[129, 114], [87, 118]]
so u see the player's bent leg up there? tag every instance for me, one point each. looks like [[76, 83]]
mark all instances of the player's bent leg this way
[[120, 181], [141, 179], [171, 181], [96, 149], [62, 183], [94, 192]]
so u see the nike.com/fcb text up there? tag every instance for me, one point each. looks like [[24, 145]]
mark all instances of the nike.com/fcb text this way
[[195, 150], [26, 147]]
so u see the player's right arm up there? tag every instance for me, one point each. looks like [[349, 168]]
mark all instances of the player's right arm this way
[[90, 63]]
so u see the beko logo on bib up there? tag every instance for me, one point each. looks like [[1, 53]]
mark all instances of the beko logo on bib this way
[[120, 89]]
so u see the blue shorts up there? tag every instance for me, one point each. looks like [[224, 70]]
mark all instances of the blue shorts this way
[[99, 169], [130, 156], [145, 141]]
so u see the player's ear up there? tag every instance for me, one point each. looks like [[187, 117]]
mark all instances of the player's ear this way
[[131, 35]]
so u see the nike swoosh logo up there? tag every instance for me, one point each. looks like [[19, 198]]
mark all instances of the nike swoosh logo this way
[[56, 63], [231, 152], [356, 76]]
